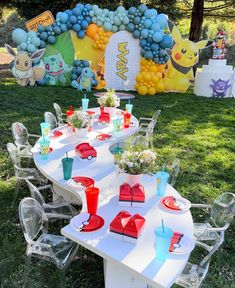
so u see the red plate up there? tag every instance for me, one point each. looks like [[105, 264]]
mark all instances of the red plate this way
[[85, 181], [170, 202], [89, 112], [57, 133], [86, 222], [102, 137]]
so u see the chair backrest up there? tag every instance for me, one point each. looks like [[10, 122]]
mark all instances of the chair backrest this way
[[14, 154], [58, 111], [19, 133], [35, 193], [31, 217], [156, 114], [172, 167], [50, 119], [222, 210]]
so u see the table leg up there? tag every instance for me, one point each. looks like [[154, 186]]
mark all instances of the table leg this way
[[117, 276]]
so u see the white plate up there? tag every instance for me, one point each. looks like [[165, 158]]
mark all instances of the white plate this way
[[185, 246], [182, 203]]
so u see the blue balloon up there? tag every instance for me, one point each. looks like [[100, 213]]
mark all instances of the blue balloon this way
[[156, 60], [23, 45], [166, 42], [73, 19], [148, 55], [131, 10], [147, 23], [19, 35], [69, 25], [143, 42], [88, 19], [85, 63], [41, 28], [58, 15], [121, 27], [64, 27], [35, 41], [51, 39], [81, 34], [31, 48], [79, 70], [95, 83], [162, 52], [137, 20], [42, 44], [149, 39], [154, 46], [144, 33], [156, 27], [107, 26], [43, 36], [142, 8], [157, 36], [80, 6], [166, 58], [130, 27], [125, 20], [57, 30], [162, 20], [74, 71], [114, 28], [64, 17], [84, 24], [142, 52], [148, 13], [31, 34], [76, 63], [49, 28], [76, 11], [74, 76], [69, 12], [76, 27], [136, 34], [88, 7]]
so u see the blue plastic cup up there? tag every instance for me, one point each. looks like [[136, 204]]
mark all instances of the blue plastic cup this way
[[45, 148], [117, 126], [85, 102], [45, 128], [162, 242], [129, 108], [161, 182], [67, 167]]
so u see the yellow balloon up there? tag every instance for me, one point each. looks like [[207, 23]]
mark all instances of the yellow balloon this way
[[152, 91], [143, 90], [160, 86]]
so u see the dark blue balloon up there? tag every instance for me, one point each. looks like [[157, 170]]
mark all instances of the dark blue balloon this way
[[51, 39], [69, 12], [76, 11], [73, 19], [76, 63], [64, 17], [131, 10], [88, 19], [76, 27], [74, 71], [143, 42], [42, 82], [130, 27], [150, 40], [64, 27], [166, 58], [156, 60], [43, 36], [88, 7], [80, 6], [162, 52], [41, 28], [85, 63], [166, 42], [74, 76], [136, 34], [95, 83], [79, 70], [142, 8], [84, 24], [148, 55], [142, 52], [57, 29], [154, 46], [81, 34], [69, 25], [42, 44], [137, 20]]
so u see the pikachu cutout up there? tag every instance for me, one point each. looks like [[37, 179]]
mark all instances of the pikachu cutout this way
[[178, 71]]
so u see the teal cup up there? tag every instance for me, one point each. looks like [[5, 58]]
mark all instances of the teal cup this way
[[85, 102], [129, 108], [45, 148], [67, 167], [117, 126], [161, 182], [162, 242], [45, 128]]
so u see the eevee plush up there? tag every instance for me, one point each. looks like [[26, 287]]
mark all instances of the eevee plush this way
[[184, 55], [23, 69]]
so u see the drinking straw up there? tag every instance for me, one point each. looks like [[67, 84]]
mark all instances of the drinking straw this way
[[129, 102], [43, 137], [84, 96], [163, 229], [67, 156]]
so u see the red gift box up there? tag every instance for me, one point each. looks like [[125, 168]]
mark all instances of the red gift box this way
[[133, 228], [116, 227], [125, 195], [138, 195], [86, 151], [104, 117]]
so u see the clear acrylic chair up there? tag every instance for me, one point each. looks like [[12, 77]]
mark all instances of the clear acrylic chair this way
[[172, 167], [58, 209], [22, 174], [21, 138], [193, 274], [144, 121], [221, 215], [40, 244], [51, 120], [61, 117]]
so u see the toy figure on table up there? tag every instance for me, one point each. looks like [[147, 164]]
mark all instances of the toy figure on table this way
[[219, 45]]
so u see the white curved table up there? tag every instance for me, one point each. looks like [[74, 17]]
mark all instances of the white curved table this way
[[125, 265]]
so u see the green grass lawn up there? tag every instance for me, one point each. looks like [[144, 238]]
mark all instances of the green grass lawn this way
[[200, 131]]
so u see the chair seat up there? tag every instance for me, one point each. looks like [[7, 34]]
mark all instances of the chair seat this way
[[202, 232]]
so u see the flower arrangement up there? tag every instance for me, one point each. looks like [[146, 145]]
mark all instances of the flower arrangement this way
[[137, 162], [79, 119], [109, 99]]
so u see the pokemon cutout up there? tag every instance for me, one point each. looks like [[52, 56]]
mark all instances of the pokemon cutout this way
[[85, 81], [23, 69], [219, 87], [184, 54], [56, 69]]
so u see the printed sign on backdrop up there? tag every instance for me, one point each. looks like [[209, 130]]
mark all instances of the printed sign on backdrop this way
[[122, 61], [45, 19]]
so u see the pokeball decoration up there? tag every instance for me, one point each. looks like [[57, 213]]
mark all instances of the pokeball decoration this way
[[86, 151], [127, 227], [131, 196], [86, 222], [103, 137]]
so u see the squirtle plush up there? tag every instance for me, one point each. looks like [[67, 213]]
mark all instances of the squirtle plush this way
[[85, 81]]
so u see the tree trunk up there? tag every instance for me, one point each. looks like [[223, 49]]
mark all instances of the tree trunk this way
[[196, 20]]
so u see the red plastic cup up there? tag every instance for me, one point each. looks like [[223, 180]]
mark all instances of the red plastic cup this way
[[127, 119], [92, 195]]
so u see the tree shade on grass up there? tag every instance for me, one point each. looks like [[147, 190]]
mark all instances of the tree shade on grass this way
[[198, 130]]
